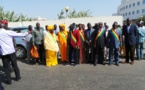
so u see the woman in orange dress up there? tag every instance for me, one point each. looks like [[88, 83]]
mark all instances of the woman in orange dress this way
[[62, 39]]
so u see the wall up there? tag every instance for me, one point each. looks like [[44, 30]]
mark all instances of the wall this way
[[108, 19]]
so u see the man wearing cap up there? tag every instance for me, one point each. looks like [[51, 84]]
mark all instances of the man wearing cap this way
[[7, 50], [1, 87]]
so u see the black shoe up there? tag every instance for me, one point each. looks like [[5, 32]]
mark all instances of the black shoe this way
[[95, 64], [117, 64], [67, 65], [103, 63], [9, 83], [110, 64], [126, 62], [75, 65], [17, 79]]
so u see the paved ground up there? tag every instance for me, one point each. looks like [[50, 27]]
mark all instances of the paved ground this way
[[83, 77]]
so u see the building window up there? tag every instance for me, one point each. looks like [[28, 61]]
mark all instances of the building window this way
[[126, 14], [143, 10], [138, 3], [130, 6], [132, 12], [126, 7], [137, 11], [143, 1], [129, 13], [133, 4]]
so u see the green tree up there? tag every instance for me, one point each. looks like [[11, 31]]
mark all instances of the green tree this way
[[75, 14], [1, 13], [61, 15], [10, 16]]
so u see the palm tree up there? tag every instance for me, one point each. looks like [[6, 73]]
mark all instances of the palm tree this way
[[11, 16], [1, 13], [75, 14], [61, 15]]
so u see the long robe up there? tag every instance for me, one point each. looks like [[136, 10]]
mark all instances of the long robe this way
[[82, 51], [62, 39], [51, 47], [51, 58], [79, 35]]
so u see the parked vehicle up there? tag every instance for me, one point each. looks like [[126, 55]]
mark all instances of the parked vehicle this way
[[21, 52]]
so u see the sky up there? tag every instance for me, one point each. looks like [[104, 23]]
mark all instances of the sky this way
[[49, 9]]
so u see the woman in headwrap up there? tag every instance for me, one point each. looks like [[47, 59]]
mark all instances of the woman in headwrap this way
[[62, 39], [51, 47]]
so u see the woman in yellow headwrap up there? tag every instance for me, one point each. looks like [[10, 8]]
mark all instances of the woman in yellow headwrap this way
[[62, 39], [51, 47]]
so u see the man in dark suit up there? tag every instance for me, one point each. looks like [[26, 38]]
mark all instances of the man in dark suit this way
[[130, 32], [114, 43], [99, 44], [88, 36], [95, 27]]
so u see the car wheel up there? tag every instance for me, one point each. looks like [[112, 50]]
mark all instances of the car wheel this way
[[21, 52]]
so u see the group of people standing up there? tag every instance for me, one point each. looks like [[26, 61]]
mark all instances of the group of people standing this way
[[88, 46], [76, 45], [92, 45]]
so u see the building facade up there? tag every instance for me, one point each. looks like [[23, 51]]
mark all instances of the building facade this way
[[132, 9]]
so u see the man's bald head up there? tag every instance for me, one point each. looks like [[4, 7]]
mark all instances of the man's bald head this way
[[128, 21], [100, 25], [89, 25], [55, 26], [38, 25]]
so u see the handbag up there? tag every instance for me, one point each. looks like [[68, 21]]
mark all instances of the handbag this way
[[34, 52]]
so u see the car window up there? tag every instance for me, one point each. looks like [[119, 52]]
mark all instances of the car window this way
[[19, 30], [23, 30]]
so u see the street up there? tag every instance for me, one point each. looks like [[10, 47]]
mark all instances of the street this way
[[83, 77]]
